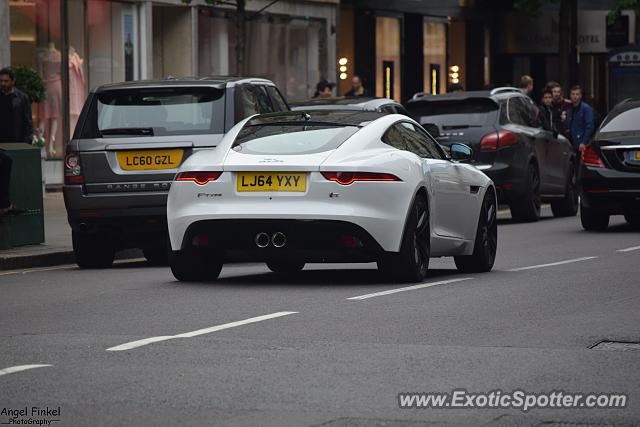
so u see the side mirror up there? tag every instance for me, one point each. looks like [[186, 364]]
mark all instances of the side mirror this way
[[460, 152]]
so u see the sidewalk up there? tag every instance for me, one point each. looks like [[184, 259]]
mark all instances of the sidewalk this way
[[57, 248]]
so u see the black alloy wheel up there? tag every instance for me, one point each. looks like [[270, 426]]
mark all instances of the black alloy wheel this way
[[527, 207], [411, 264], [486, 242], [92, 250], [569, 204]]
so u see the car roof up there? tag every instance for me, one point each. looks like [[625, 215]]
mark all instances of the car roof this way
[[343, 117], [355, 103], [212, 81], [494, 94]]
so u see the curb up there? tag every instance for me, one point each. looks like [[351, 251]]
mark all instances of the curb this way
[[53, 259]]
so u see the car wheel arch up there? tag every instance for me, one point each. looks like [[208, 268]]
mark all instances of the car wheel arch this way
[[420, 191]]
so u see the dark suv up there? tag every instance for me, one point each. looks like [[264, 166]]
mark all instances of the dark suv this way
[[527, 163], [609, 174], [130, 139]]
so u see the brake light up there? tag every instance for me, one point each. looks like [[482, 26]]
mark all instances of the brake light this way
[[200, 178], [72, 170], [346, 178], [494, 140], [590, 157]]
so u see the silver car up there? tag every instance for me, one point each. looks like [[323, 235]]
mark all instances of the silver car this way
[[130, 139]]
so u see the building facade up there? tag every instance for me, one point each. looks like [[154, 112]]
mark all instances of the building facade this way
[[76, 45]]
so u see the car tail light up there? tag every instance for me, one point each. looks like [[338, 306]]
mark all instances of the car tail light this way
[[590, 157], [73, 170], [494, 140], [346, 178], [200, 178]]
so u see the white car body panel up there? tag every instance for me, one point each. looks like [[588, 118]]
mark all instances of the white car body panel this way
[[380, 208]]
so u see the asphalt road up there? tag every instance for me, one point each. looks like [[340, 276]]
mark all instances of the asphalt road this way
[[131, 346]]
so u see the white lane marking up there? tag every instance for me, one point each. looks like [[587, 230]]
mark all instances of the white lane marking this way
[[551, 264], [633, 248], [12, 369], [143, 342], [408, 288]]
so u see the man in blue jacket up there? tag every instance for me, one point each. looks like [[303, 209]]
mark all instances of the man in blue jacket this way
[[580, 117]]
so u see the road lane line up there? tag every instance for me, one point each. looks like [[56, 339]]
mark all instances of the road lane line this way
[[551, 264], [19, 368], [146, 341], [633, 248], [408, 288]]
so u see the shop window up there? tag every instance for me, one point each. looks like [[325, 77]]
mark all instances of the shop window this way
[[435, 57], [388, 57]]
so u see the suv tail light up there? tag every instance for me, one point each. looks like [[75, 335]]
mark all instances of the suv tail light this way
[[590, 157], [346, 178], [494, 140], [73, 170], [200, 177]]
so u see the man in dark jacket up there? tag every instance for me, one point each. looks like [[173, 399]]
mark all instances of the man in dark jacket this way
[[547, 117], [580, 117], [15, 126]]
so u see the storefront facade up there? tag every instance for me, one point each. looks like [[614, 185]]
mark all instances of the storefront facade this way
[[400, 48], [76, 45]]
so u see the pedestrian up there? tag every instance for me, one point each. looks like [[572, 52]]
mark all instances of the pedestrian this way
[[559, 105], [357, 88], [15, 126], [580, 118], [526, 85], [324, 89], [546, 112]]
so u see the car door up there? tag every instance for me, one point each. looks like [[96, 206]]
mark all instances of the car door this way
[[523, 114], [452, 199]]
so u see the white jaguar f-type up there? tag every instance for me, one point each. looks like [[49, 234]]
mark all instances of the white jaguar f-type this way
[[330, 186]]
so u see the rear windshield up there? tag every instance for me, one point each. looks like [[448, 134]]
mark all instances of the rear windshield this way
[[155, 112], [291, 139], [626, 121], [472, 112]]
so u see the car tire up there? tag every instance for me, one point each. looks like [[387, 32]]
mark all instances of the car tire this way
[[411, 264], [192, 265], [486, 242], [527, 207], [156, 255], [568, 205], [92, 250], [285, 267], [633, 219], [593, 220]]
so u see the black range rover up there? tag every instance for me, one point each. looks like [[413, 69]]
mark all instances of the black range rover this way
[[528, 164]]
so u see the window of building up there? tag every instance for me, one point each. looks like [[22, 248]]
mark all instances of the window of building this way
[[435, 57], [388, 57]]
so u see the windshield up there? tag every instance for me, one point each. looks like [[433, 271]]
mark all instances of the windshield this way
[[453, 114], [626, 121], [155, 112], [291, 139]]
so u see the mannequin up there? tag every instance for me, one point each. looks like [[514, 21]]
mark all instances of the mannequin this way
[[50, 61], [77, 87]]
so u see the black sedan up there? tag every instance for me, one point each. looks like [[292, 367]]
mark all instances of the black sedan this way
[[609, 175], [528, 164]]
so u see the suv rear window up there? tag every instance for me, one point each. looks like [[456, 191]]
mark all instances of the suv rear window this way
[[470, 112], [291, 139], [155, 112]]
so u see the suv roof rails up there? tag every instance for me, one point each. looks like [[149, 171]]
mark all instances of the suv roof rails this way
[[419, 95], [504, 89]]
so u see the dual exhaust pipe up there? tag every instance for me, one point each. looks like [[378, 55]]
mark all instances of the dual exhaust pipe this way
[[277, 239]]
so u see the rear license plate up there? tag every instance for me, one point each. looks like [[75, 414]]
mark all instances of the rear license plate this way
[[149, 160], [276, 181], [636, 156]]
